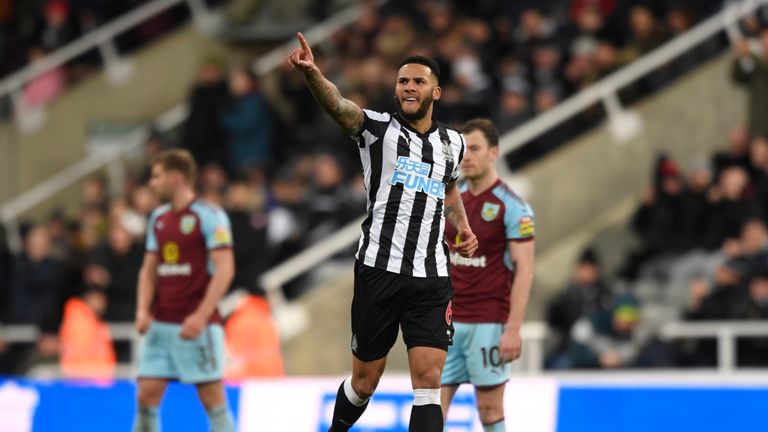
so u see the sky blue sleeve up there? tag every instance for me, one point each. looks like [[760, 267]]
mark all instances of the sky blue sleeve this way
[[151, 244], [216, 228], [518, 219]]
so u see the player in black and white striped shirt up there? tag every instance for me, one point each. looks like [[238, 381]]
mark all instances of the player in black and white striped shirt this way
[[410, 167]]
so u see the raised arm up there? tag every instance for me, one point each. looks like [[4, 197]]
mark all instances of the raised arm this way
[[345, 112], [466, 243]]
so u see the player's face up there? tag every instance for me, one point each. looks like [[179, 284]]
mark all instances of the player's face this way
[[415, 91], [159, 182], [479, 156]]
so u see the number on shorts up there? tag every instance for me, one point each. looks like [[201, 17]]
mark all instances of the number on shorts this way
[[491, 357]]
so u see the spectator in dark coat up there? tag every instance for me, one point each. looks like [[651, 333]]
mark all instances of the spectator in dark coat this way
[[329, 201], [585, 294], [58, 28], [610, 339], [737, 153], [248, 122], [730, 208], [752, 304], [36, 285], [203, 134], [696, 208], [658, 220], [249, 229], [113, 268], [5, 273]]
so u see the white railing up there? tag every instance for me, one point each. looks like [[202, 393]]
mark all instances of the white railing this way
[[622, 123], [13, 209], [534, 336], [290, 319], [725, 332], [603, 91], [120, 332], [102, 39]]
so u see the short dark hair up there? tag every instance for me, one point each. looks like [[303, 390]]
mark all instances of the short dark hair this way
[[486, 127], [422, 60], [178, 160]]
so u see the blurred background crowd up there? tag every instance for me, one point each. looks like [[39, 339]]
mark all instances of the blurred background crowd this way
[[288, 177]]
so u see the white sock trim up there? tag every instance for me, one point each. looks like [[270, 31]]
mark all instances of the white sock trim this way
[[426, 397], [351, 395]]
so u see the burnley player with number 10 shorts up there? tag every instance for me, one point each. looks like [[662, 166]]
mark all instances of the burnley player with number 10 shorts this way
[[492, 287], [188, 266]]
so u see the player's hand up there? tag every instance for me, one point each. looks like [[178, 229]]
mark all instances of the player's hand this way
[[301, 58], [192, 326], [466, 242], [143, 320], [510, 345]]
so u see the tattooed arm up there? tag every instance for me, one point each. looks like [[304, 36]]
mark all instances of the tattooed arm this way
[[466, 243], [345, 112]]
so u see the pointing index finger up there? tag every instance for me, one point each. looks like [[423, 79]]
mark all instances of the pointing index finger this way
[[302, 41]]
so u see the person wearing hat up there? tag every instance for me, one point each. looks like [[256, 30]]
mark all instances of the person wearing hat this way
[[607, 339], [585, 294]]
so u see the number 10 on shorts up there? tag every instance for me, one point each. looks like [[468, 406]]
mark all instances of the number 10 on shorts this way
[[491, 357]]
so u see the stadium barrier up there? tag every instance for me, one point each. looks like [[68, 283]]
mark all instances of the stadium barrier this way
[[534, 336], [595, 402], [291, 318], [118, 69]]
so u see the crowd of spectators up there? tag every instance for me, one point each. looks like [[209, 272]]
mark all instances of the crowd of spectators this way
[[508, 61], [29, 30], [702, 253], [288, 177]]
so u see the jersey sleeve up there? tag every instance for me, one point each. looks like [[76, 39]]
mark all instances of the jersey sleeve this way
[[216, 228], [457, 165], [518, 220], [151, 243], [374, 127]]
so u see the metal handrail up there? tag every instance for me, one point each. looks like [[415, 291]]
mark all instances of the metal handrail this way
[[25, 333], [71, 175], [725, 332], [88, 41], [605, 89], [172, 118], [307, 259], [534, 336]]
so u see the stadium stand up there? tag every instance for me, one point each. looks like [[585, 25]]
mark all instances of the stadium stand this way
[[299, 184]]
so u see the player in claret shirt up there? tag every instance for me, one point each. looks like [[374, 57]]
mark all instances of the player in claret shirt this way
[[187, 267], [492, 287]]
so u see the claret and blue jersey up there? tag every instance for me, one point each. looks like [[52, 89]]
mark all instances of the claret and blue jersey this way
[[182, 240], [482, 282]]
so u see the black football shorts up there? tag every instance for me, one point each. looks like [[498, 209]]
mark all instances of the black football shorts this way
[[383, 301]]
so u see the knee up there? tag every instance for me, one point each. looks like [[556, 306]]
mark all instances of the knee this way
[[427, 377], [148, 397], [211, 399], [365, 385], [490, 413]]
